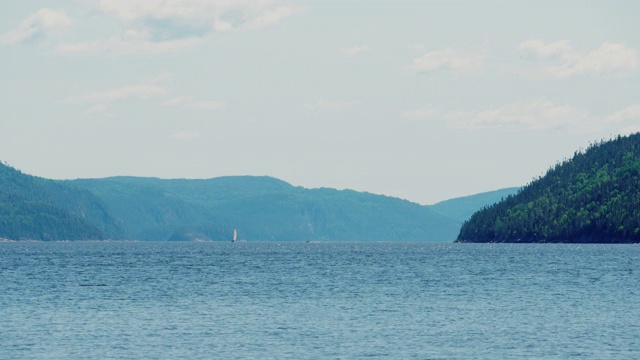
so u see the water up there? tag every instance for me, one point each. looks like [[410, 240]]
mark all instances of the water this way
[[118, 300]]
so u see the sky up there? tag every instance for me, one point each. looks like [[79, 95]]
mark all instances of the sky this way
[[422, 100]]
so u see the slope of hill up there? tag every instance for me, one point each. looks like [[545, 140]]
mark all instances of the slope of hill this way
[[148, 210], [262, 208], [462, 208], [592, 197], [41, 209]]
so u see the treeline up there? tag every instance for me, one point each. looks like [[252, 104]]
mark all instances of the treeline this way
[[32, 220], [40, 209], [593, 197]]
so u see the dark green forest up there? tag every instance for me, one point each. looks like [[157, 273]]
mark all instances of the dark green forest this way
[[594, 197], [40, 209]]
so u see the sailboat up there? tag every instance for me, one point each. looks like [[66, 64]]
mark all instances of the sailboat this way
[[235, 235]]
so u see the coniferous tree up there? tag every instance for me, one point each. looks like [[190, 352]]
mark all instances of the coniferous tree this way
[[593, 197]]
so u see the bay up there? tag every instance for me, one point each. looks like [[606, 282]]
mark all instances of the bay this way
[[124, 300]]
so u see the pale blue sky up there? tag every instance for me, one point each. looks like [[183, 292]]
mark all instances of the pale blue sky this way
[[423, 100]]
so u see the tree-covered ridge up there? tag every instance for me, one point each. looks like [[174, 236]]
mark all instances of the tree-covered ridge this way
[[262, 208], [40, 209], [593, 197], [149, 209]]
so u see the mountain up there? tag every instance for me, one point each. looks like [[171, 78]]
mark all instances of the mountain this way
[[462, 208], [593, 197], [40, 209], [262, 208]]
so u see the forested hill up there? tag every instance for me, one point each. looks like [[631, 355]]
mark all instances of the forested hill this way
[[593, 197], [39, 209], [262, 208]]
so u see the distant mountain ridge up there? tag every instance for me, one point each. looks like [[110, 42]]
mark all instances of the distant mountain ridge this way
[[593, 197], [264, 208], [261, 208], [462, 208]]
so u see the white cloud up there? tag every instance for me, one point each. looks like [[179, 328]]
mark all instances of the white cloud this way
[[164, 26], [532, 115], [117, 46], [534, 48], [631, 113], [353, 51], [423, 113], [140, 91], [217, 15], [36, 25], [134, 10], [189, 103], [329, 106], [608, 58], [153, 88], [469, 61], [185, 136], [100, 109], [269, 17], [147, 89], [535, 115]]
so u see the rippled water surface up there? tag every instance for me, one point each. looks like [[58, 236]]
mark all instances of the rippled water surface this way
[[120, 300]]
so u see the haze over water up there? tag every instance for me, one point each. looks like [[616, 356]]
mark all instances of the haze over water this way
[[120, 300]]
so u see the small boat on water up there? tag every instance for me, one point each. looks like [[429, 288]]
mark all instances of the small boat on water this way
[[235, 235]]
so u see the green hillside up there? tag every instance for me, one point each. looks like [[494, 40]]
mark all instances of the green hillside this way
[[262, 208], [147, 210], [41, 209], [593, 197]]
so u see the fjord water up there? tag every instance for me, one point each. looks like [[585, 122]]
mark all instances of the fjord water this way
[[122, 300]]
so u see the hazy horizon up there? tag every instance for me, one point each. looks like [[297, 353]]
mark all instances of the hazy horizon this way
[[421, 100]]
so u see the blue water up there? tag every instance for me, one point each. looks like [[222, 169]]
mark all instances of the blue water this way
[[123, 300]]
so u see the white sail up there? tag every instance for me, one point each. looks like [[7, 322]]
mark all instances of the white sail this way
[[235, 234]]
